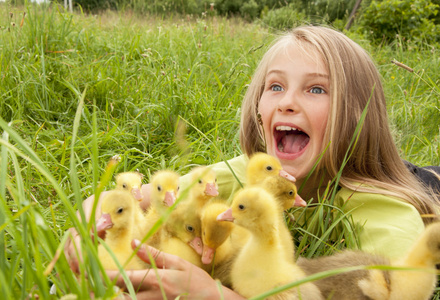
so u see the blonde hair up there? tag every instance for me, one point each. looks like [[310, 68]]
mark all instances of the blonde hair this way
[[354, 80]]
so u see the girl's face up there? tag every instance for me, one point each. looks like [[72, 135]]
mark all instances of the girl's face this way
[[294, 108]]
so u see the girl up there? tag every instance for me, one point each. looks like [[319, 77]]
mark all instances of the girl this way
[[306, 99]]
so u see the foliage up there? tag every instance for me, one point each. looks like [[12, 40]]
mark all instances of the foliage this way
[[163, 7], [250, 10], [436, 18], [170, 6], [284, 18], [247, 8], [316, 10], [96, 5], [324, 10], [414, 20]]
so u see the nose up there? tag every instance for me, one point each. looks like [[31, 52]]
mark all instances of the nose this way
[[288, 103]]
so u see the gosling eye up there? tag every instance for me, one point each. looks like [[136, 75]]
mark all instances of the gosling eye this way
[[269, 168], [120, 210], [189, 228], [124, 185], [200, 181], [241, 207], [178, 188], [159, 188], [291, 193]]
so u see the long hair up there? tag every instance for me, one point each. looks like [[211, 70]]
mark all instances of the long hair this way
[[354, 82]]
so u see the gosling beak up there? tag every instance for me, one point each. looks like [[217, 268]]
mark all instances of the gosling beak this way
[[104, 223], [137, 194], [170, 198], [299, 201], [208, 255], [287, 176], [211, 189], [226, 216], [197, 244]]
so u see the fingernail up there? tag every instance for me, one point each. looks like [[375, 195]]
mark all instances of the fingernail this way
[[137, 242]]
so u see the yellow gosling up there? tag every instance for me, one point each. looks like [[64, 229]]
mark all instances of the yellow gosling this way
[[256, 210], [117, 219]]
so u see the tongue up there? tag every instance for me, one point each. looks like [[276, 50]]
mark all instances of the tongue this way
[[294, 143]]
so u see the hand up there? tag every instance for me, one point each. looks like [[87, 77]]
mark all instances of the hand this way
[[174, 275], [72, 248]]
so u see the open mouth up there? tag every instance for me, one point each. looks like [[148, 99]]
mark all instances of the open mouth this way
[[290, 139]]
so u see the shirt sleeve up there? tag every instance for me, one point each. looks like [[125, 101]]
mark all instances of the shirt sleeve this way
[[389, 226], [231, 176]]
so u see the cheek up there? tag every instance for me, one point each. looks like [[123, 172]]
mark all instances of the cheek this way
[[321, 121], [266, 111], [322, 125]]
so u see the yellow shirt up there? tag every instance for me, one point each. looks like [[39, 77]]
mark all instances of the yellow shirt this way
[[390, 225]]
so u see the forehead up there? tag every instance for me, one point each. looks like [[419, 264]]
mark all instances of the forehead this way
[[296, 51]]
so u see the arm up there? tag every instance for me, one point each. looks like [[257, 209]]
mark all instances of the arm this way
[[175, 276]]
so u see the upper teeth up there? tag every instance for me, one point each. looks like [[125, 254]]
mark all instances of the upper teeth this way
[[286, 128]]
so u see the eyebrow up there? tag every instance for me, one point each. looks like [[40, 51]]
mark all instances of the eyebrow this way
[[274, 71], [326, 76]]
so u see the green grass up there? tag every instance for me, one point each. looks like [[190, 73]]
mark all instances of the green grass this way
[[78, 89]]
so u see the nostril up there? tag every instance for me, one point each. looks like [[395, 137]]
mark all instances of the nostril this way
[[289, 110]]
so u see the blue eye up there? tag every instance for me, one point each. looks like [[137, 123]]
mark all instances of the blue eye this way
[[276, 88], [317, 90]]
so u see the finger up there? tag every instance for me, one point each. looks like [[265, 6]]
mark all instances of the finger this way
[[157, 258], [149, 295], [145, 252], [67, 254], [70, 251], [67, 246], [150, 255], [74, 264], [147, 279], [145, 295]]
